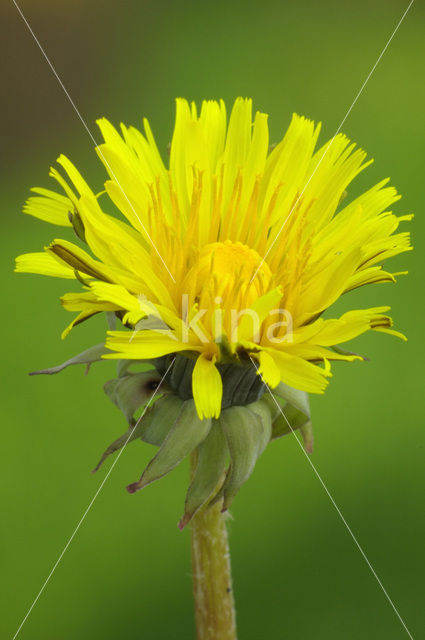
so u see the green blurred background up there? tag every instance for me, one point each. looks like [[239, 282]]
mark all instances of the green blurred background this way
[[297, 572]]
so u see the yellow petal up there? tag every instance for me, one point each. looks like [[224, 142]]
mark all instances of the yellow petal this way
[[213, 122], [332, 168], [86, 302], [297, 372], [129, 193], [138, 305], [315, 352], [76, 177], [116, 294], [207, 387], [350, 325], [268, 369], [178, 165], [67, 253], [144, 344], [44, 264], [328, 284], [252, 318], [116, 246], [391, 332], [49, 206], [369, 276], [287, 165], [84, 315]]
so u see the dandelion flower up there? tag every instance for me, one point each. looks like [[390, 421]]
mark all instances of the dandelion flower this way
[[227, 228], [220, 267]]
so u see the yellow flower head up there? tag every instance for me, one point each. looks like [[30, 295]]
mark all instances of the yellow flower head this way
[[229, 255]]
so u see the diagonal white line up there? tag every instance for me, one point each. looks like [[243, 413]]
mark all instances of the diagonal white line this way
[[91, 135], [89, 507], [333, 137], [338, 510]]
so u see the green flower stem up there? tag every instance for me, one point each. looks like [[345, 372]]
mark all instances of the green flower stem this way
[[212, 579]]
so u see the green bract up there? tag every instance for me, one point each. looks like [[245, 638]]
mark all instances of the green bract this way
[[225, 450]]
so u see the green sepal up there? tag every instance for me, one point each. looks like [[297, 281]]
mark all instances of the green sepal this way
[[344, 352], [152, 427], [272, 404], [247, 430], [94, 354], [125, 366], [295, 397], [159, 420], [241, 384], [186, 434], [290, 419], [294, 414], [211, 461], [133, 433], [111, 320], [132, 391], [307, 433], [261, 409], [180, 378]]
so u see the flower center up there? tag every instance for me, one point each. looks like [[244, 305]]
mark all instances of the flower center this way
[[230, 269], [230, 258]]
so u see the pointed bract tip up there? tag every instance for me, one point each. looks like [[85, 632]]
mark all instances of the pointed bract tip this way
[[99, 464], [184, 521], [308, 437], [133, 487]]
